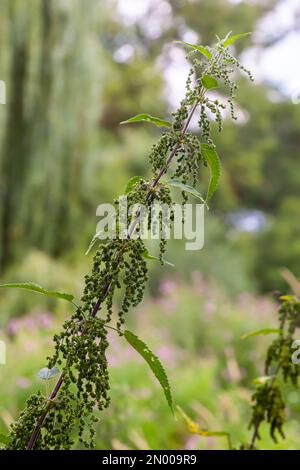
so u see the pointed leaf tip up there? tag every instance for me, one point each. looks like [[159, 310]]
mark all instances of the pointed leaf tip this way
[[231, 39], [202, 49], [147, 118], [32, 286]]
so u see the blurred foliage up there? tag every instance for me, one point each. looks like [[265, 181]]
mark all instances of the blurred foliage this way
[[72, 74]]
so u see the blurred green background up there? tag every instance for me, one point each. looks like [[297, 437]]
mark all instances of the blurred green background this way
[[73, 70]]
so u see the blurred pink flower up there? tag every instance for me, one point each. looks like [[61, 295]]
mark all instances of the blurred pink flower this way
[[167, 286], [192, 442], [209, 307], [168, 354], [169, 305], [29, 322], [23, 382]]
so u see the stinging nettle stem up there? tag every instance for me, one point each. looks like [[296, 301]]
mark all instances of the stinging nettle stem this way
[[35, 434]]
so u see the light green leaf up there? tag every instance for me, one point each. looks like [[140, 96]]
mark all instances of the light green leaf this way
[[194, 428], [263, 331], [37, 288], [209, 82], [231, 39], [203, 49], [147, 255], [132, 182], [45, 373], [263, 380], [4, 439], [186, 188], [93, 241], [287, 298], [153, 362], [148, 118], [212, 158]]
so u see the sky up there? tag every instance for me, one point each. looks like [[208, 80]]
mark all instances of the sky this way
[[279, 64]]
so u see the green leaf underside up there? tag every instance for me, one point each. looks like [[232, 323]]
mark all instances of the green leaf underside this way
[[147, 255], [132, 182], [213, 160], [186, 188], [45, 373], [209, 82], [37, 288], [231, 39], [148, 118], [153, 362], [263, 331], [203, 49]]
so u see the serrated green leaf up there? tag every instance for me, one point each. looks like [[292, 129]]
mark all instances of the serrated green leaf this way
[[153, 362], [263, 379], [147, 255], [209, 82], [4, 439], [203, 49], [148, 118], [32, 286], [186, 188], [132, 182], [212, 158], [45, 373], [231, 39], [263, 331]]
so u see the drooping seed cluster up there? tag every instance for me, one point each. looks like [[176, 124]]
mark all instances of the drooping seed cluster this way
[[268, 403], [135, 278], [21, 430], [269, 407], [188, 161]]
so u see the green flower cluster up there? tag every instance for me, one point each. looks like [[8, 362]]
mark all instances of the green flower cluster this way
[[268, 403], [269, 406]]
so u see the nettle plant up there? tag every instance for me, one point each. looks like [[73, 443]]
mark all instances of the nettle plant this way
[[281, 365], [120, 264]]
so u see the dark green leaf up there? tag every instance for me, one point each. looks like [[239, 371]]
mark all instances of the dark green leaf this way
[[212, 158], [263, 331], [148, 118], [153, 362], [203, 49], [131, 183], [209, 82], [36, 288]]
